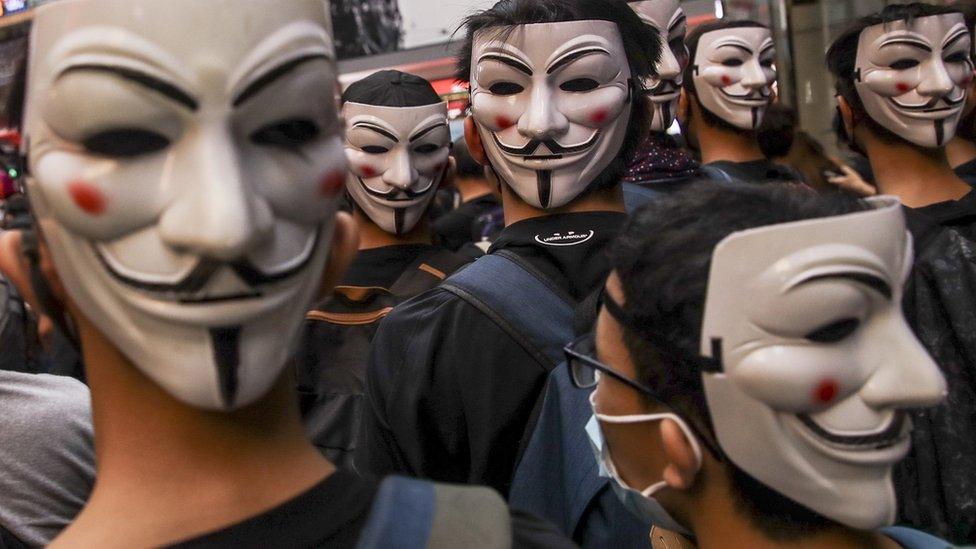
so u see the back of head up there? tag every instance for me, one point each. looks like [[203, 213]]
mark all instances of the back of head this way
[[467, 166], [391, 88]]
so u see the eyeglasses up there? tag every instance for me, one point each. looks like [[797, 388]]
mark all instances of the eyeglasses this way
[[585, 370]]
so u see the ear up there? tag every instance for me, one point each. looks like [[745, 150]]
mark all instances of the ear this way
[[681, 468], [683, 106], [450, 172], [847, 116], [345, 245], [15, 266], [473, 139]]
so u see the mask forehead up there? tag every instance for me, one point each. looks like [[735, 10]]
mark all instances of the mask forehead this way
[[543, 44], [755, 39], [931, 31], [404, 122], [661, 14]]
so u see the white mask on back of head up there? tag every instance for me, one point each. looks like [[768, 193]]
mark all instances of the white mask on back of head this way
[[664, 90]]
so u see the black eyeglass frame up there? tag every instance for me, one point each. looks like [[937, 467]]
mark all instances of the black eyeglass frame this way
[[572, 356]]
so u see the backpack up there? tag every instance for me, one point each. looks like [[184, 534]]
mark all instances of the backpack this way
[[332, 362], [410, 514]]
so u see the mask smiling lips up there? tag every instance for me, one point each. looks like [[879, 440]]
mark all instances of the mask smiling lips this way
[[552, 103], [817, 360], [397, 157], [663, 91], [188, 201], [734, 74], [913, 78]]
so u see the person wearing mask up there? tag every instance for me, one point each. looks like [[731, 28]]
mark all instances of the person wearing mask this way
[[961, 149], [397, 144], [728, 87], [701, 414], [455, 373], [478, 217], [186, 220], [901, 102], [660, 164]]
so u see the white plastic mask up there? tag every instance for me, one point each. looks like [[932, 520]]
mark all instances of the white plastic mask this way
[[818, 363], [913, 78], [664, 90], [734, 74], [186, 161], [397, 158], [552, 103]]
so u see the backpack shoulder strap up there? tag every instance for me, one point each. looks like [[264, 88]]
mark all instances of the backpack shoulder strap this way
[[410, 513], [636, 196], [501, 286], [914, 539], [716, 173]]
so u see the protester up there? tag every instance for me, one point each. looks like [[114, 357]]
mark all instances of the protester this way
[[185, 248], [728, 88], [702, 417], [880, 88], [397, 145], [454, 373], [477, 217], [961, 149]]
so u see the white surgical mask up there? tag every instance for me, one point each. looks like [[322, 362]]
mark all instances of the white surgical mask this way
[[818, 365], [552, 103], [913, 77], [186, 161], [641, 503], [664, 90], [734, 74], [397, 159]]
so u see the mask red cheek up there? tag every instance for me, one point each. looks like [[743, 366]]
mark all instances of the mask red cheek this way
[[504, 122], [331, 184], [88, 198], [902, 87], [600, 116], [726, 80], [826, 392], [368, 171]]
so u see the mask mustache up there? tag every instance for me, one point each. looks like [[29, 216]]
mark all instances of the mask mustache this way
[[397, 195], [664, 87], [555, 148], [935, 104]]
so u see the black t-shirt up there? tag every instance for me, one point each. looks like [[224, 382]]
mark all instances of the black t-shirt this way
[[756, 171], [456, 228], [967, 172], [381, 267], [333, 514], [450, 392], [926, 222]]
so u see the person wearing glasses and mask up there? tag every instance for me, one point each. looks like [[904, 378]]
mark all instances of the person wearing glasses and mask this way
[[757, 403]]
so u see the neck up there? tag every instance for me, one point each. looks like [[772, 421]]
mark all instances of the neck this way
[[471, 188], [372, 236], [167, 471], [919, 177], [720, 144], [606, 200], [960, 151]]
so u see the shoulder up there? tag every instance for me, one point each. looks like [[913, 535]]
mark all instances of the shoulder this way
[[42, 404]]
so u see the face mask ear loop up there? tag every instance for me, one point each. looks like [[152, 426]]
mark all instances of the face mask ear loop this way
[[50, 305]]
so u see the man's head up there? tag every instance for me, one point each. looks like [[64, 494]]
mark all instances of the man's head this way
[[904, 73], [732, 73], [553, 93], [769, 319], [397, 144], [663, 90], [188, 201]]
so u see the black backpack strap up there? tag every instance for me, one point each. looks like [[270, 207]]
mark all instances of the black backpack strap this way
[[503, 287]]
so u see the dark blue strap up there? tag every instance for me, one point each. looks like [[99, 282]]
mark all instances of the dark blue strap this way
[[402, 516], [523, 303], [914, 539], [716, 173], [636, 196]]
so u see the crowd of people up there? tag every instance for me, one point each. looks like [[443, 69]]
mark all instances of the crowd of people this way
[[240, 310]]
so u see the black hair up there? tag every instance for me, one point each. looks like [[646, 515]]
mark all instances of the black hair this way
[[642, 46], [663, 258], [692, 40], [392, 88], [842, 56], [778, 131], [467, 166]]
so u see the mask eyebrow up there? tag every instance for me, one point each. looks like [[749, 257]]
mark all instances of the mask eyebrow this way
[[875, 283], [145, 80], [736, 46], [959, 35], [677, 23], [425, 131], [906, 42], [505, 60], [376, 129], [573, 56], [273, 75]]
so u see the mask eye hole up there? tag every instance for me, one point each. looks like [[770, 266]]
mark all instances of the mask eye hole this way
[[506, 88], [904, 64], [580, 85], [125, 143], [286, 133], [958, 57], [375, 149], [427, 148], [835, 331], [733, 62]]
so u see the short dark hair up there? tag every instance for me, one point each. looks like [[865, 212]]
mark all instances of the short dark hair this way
[[842, 54], [663, 258], [467, 166], [692, 40], [642, 46], [777, 133], [391, 88]]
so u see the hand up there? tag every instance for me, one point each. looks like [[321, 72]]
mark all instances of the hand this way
[[851, 182]]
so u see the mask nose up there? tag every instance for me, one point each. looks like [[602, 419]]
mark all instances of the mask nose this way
[[542, 120], [908, 377], [668, 68], [935, 80], [753, 76], [216, 214], [401, 173]]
